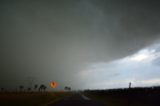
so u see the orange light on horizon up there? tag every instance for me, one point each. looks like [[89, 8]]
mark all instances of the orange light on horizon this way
[[53, 84]]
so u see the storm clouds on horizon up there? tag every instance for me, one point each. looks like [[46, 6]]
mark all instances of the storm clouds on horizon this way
[[61, 40]]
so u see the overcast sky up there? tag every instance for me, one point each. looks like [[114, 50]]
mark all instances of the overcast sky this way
[[80, 43]]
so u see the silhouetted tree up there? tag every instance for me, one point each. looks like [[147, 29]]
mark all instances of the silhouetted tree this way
[[2, 89], [42, 87], [67, 88], [35, 87], [29, 89], [21, 87]]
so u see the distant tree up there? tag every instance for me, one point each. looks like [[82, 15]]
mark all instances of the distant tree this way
[[42, 87], [67, 88], [2, 89], [29, 89], [35, 87], [21, 87]]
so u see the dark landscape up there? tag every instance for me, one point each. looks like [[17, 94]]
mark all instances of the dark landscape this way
[[148, 96]]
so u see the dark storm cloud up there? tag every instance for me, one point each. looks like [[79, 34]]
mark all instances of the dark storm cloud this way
[[53, 40]]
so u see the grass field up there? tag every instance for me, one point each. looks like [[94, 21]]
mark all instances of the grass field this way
[[30, 98], [126, 97]]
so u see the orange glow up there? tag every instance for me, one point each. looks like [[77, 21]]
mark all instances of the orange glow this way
[[53, 84]]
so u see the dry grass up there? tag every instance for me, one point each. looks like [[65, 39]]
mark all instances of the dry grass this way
[[30, 98], [109, 100]]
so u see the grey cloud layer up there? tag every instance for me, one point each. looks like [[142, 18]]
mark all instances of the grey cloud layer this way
[[53, 40]]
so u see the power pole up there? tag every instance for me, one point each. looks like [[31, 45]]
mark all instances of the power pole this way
[[130, 85], [129, 94]]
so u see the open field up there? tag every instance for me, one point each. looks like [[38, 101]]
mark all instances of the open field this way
[[126, 97], [30, 98], [114, 97]]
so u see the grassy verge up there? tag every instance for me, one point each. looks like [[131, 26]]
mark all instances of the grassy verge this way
[[108, 100], [116, 98], [30, 99]]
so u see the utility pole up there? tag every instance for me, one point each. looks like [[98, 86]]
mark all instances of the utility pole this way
[[129, 94], [130, 85]]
